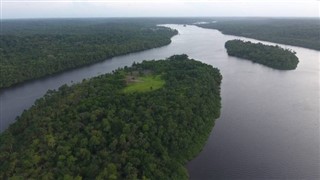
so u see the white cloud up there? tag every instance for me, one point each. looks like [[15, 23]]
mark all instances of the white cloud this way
[[126, 8]]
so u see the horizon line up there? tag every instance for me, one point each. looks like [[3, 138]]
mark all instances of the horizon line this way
[[123, 17]]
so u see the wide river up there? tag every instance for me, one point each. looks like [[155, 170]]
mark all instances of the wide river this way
[[269, 125]]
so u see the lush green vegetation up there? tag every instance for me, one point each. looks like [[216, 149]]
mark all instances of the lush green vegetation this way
[[38, 47], [96, 130], [34, 48], [144, 83], [302, 32], [272, 56]]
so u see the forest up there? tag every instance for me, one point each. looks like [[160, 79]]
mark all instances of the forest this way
[[35, 48], [271, 56], [98, 129], [303, 32]]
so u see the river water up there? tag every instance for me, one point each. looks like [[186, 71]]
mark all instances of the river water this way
[[269, 124]]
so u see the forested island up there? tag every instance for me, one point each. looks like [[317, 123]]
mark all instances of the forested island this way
[[302, 32], [35, 48], [271, 56], [139, 122]]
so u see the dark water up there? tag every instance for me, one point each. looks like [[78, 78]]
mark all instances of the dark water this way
[[269, 125]]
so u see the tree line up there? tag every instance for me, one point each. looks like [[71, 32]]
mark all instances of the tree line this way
[[303, 32], [271, 56], [93, 130]]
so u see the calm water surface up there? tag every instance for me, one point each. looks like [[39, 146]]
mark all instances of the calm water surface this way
[[269, 125]]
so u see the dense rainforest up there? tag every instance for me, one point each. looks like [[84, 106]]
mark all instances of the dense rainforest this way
[[38, 47], [302, 32], [34, 48], [139, 122], [272, 56]]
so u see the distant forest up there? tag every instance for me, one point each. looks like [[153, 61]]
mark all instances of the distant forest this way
[[98, 129], [35, 48], [304, 32], [272, 56]]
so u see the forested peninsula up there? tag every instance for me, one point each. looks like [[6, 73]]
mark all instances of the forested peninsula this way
[[139, 122], [271, 56], [35, 48], [303, 32]]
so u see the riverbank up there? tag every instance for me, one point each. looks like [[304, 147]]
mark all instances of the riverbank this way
[[68, 44]]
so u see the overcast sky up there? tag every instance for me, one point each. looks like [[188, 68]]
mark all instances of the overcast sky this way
[[163, 8]]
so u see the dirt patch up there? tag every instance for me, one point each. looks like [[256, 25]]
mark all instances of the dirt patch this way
[[133, 77]]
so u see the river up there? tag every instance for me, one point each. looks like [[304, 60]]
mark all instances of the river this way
[[269, 124]]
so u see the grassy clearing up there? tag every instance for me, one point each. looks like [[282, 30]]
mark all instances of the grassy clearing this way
[[145, 84]]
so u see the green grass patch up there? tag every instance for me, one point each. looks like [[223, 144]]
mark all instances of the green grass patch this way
[[144, 84]]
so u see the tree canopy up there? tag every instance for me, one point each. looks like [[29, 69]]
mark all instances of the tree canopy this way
[[302, 32], [35, 48], [95, 129], [271, 56]]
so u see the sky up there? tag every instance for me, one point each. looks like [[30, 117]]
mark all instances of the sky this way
[[13, 9]]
